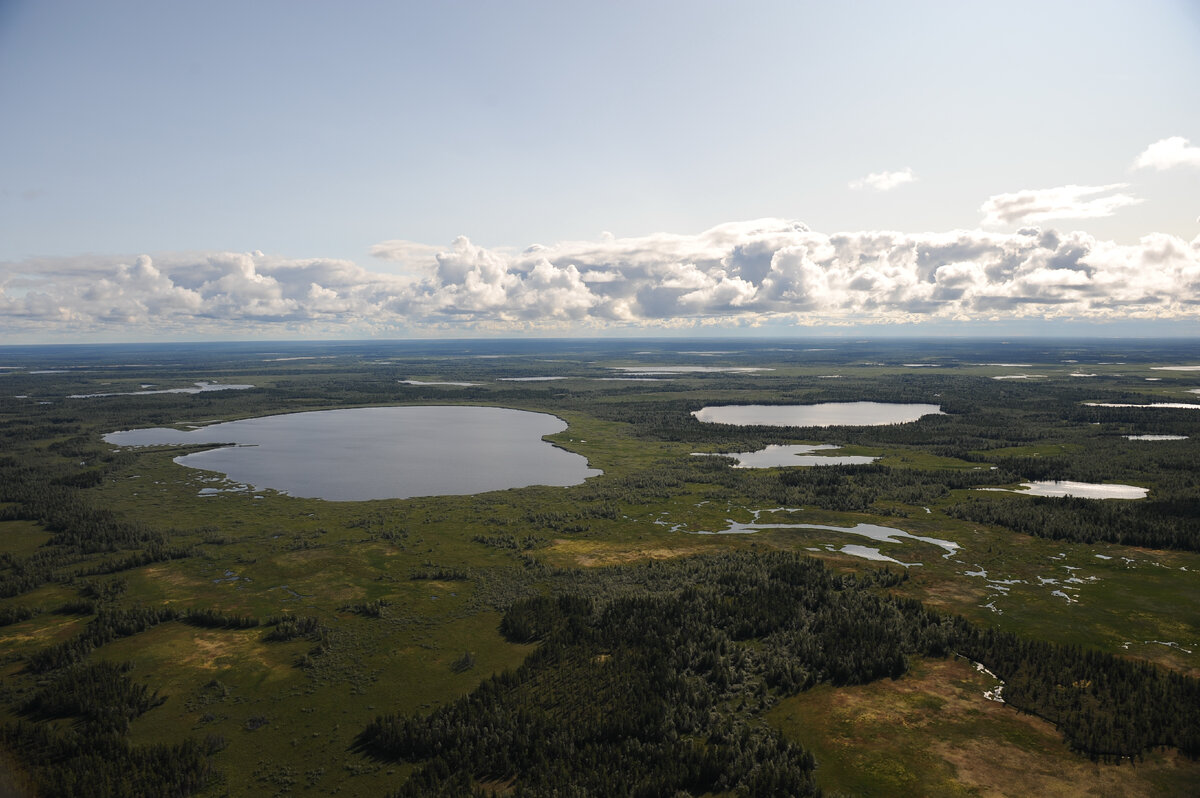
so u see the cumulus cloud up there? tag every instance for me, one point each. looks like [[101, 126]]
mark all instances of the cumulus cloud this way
[[1168, 153], [745, 273], [884, 181], [1063, 202]]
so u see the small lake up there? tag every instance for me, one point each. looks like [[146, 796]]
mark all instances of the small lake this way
[[532, 379], [200, 387], [828, 414], [783, 455], [380, 452], [1165, 405], [1082, 490], [653, 370]]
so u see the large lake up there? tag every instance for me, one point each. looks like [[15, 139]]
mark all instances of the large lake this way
[[828, 414], [381, 452]]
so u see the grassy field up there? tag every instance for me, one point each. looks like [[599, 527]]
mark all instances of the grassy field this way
[[933, 733]]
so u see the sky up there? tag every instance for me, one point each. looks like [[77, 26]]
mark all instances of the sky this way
[[289, 170]]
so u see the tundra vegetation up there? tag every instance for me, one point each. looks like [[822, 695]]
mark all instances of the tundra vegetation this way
[[158, 636]]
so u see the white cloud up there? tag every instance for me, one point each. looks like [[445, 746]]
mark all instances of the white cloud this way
[[738, 274], [1063, 202], [884, 181], [1168, 153]]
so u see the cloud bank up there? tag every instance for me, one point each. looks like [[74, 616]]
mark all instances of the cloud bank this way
[[769, 271], [198, 293]]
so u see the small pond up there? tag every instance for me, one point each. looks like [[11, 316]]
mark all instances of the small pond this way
[[828, 414], [1163, 405], [532, 379], [200, 387], [871, 553], [381, 452], [776, 456], [1082, 490], [652, 370], [881, 534]]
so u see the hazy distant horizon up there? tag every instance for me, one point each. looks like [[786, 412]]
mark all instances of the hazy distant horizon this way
[[1056, 339]]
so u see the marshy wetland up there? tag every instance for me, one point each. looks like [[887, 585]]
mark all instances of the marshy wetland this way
[[221, 632]]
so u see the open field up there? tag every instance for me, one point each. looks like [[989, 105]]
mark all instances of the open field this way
[[932, 732]]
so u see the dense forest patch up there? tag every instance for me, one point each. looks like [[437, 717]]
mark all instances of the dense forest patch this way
[[656, 692]]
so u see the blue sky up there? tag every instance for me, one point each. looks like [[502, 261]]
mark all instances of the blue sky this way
[[298, 169]]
